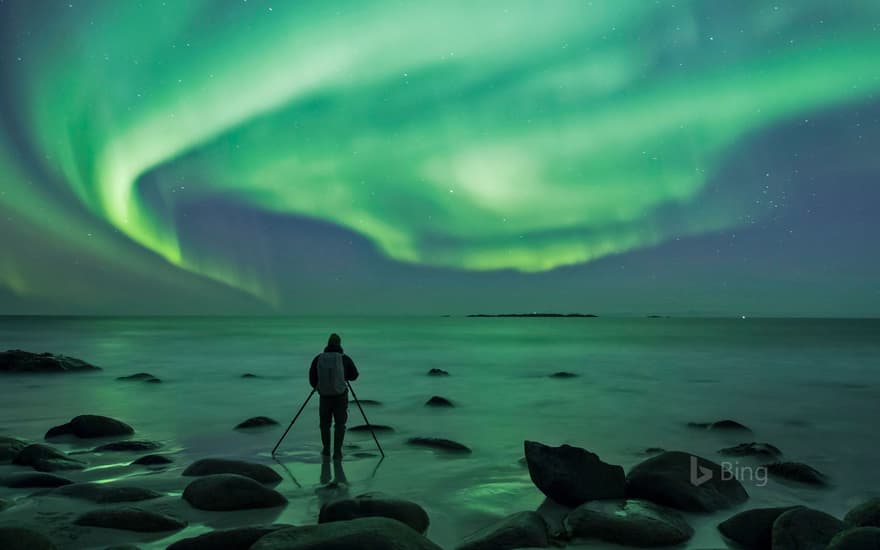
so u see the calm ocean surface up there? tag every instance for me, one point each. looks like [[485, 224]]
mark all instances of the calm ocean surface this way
[[810, 387]]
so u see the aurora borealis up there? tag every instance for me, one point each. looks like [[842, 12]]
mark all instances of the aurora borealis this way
[[631, 156]]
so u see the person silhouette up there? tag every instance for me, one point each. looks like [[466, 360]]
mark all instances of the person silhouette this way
[[329, 375]]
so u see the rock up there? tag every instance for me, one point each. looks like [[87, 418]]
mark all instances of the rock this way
[[127, 446], [515, 531], [760, 450], [122, 547], [630, 523], [752, 529], [105, 493], [152, 460], [44, 458], [89, 426], [860, 538], [654, 450], [439, 444], [721, 426], [29, 480], [369, 402], [866, 514], [366, 506], [240, 538], [249, 375], [571, 475], [139, 377], [130, 519], [437, 401], [18, 361], [375, 427], [223, 492], [803, 528], [357, 534], [563, 374], [666, 479], [256, 422], [211, 466], [4, 504], [437, 372], [17, 538], [798, 472], [9, 447]]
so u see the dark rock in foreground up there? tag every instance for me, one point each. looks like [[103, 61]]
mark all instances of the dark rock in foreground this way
[[139, 377], [130, 519], [803, 528], [357, 534], [798, 472], [127, 446], [563, 374], [760, 450], [105, 493], [439, 444], [630, 523], [16, 538], [88, 426], [753, 529], [152, 460], [240, 538], [571, 475], [437, 372], [18, 361], [721, 426], [375, 427], [523, 529], [256, 422], [860, 538], [44, 458], [24, 481], [437, 401], [866, 514], [211, 466], [224, 492], [666, 479], [9, 447], [369, 505]]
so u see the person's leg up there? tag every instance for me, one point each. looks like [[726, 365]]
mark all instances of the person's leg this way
[[340, 415], [325, 413]]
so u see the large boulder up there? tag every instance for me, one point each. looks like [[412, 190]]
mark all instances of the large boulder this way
[[803, 528], [9, 447], [35, 480], [797, 472], [859, 538], [130, 519], [17, 538], [152, 460], [222, 492], [629, 523], [523, 529], [127, 446], [571, 475], [752, 529], [44, 458], [866, 514], [764, 451], [357, 534], [212, 466], [439, 444], [371, 505], [88, 426], [18, 361], [256, 422], [686, 482], [105, 493], [241, 538]]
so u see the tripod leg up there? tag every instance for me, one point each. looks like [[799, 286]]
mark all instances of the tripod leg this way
[[292, 421], [365, 419]]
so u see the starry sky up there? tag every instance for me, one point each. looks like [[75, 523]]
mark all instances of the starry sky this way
[[623, 157]]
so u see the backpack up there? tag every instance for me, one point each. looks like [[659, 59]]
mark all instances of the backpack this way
[[331, 374]]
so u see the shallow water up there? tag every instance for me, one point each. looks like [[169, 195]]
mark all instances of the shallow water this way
[[809, 387]]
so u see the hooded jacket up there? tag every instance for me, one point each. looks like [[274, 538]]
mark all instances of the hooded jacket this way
[[351, 372]]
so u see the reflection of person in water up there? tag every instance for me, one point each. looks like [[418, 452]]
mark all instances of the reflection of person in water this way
[[337, 489]]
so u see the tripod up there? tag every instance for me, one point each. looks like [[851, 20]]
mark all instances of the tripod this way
[[367, 422]]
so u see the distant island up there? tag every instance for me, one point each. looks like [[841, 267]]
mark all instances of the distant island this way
[[532, 315]]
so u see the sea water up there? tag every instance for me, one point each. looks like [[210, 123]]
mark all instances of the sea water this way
[[810, 387]]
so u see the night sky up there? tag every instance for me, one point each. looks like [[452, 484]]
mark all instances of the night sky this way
[[616, 157]]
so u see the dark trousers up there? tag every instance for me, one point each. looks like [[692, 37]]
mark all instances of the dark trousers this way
[[333, 410]]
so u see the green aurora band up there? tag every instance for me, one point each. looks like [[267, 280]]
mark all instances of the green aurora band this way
[[468, 135]]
